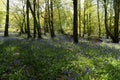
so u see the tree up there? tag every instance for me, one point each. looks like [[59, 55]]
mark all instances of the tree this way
[[38, 24], [7, 20], [116, 21], [106, 18], [84, 21], [34, 17], [89, 15], [87, 22], [115, 35], [24, 17], [111, 15], [27, 13], [60, 22], [75, 22], [79, 18], [46, 17], [51, 20], [98, 14]]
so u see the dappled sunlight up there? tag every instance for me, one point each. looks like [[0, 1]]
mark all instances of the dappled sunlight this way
[[58, 60], [111, 45], [59, 40]]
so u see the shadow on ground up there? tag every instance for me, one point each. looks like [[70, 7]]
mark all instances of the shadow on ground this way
[[57, 60]]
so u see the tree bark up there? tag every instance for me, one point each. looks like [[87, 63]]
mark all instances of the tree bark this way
[[115, 35], [38, 26], [60, 23], [7, 20], [79, 18], [75, 22], [27, 13], [116, 21], [98, 14], [34, 17], [51, 20], [106, 18], [46, 17], [84, 22]]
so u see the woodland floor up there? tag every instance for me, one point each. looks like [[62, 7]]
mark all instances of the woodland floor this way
[[58, 59]]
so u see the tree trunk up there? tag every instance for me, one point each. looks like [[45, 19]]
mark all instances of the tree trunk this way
[[89, 25], [111, 15], [34, 17], [98, 14], [38, 26], [60, 23], [27, 13], [25, 26], [84, 22], [106, 18], [115, 35], [116, 21], [35, 20], [23, 23], [51, 20], [7, 20], [75, 22], [79, 18], [46, 18]]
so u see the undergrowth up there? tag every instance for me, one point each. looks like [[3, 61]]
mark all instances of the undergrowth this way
[[57, 60]]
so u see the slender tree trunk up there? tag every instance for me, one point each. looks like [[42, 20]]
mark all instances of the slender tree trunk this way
[[111, 15], [89, 24], [7, 20], [34, 17], [51, 20], [61, 29], [46, 17], [24, 21], [98, 14], [75, 22], [49, 16], [24, 17], [38, 26], [79, 18], [106, 18], [27, 13], [23, 13], [84, 28]]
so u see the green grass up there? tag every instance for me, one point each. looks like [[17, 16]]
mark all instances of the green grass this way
[[57, 60]]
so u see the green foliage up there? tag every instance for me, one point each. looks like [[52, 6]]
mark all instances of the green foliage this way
[[54, 59], [66, 20], [1, 18]]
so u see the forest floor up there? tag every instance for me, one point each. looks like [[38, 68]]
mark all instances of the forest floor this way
[[58, 59], [104, 41]]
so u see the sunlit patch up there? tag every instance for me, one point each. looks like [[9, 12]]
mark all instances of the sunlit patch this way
[[16, 53]]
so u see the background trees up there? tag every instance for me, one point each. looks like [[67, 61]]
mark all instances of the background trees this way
[[60, 23], [90, 18]]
